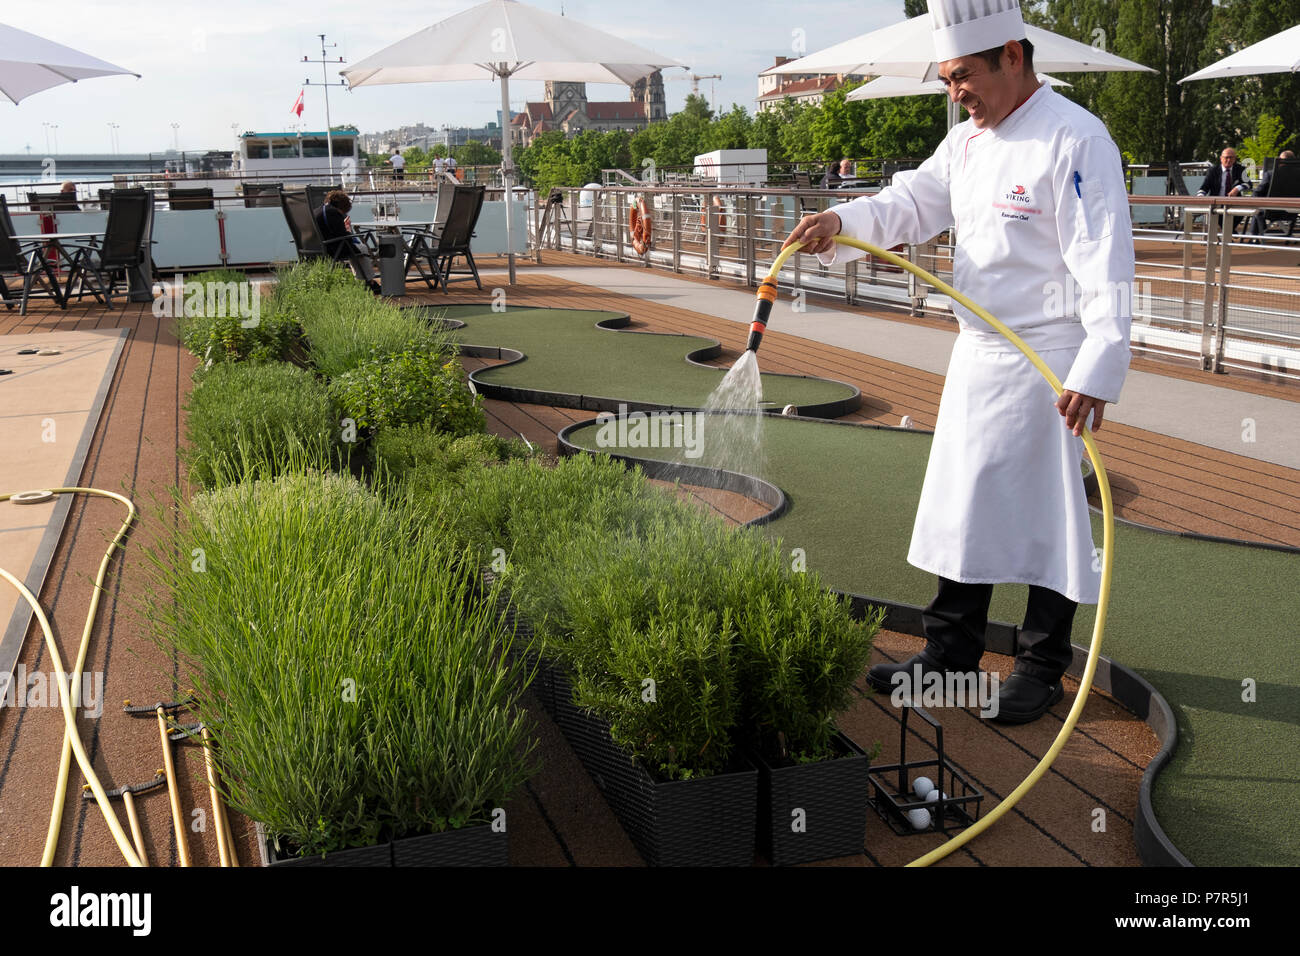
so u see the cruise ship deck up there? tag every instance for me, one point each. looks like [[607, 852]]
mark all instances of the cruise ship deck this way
[[1176, 447]]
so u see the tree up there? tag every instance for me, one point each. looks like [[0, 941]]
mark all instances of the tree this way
[[1151, 116], [529, 158], [417, 160], [474, 153], [1268, 140], [765, 133], [730, 130]]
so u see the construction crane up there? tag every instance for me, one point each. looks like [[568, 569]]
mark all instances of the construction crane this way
[[695, 84]]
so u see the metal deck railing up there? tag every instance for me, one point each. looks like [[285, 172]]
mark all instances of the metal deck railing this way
[[1202, 293]]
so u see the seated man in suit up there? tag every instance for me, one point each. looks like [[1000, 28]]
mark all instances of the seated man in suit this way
[[340, 243], [1262, 218], [1226, 179]]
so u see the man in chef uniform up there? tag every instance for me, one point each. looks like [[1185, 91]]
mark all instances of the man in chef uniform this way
[[1033, 185]]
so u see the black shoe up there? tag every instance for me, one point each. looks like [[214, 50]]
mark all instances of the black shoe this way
[[881, 677], [374, 287], [1024, 698]]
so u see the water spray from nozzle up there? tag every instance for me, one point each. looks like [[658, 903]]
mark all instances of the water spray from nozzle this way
[[762, 309]]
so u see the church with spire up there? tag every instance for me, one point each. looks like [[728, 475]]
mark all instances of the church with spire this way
[[567, 108]]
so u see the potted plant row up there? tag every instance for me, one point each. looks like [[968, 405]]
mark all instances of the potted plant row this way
[[684, 649], [362, 710]]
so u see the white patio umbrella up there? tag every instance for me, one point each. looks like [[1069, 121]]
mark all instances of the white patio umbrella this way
[[885, 87], [504, 39], [29, 64], [907, 49], [1280, 53]]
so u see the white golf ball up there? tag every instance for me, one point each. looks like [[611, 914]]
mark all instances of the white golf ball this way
[[922, 786], [933, 796], [919, 818]]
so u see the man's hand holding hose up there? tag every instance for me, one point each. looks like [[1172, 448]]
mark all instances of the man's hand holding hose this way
[[819, 232]]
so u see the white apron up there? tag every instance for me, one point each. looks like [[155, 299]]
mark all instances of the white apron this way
[[1003, 498], [1041, 214]]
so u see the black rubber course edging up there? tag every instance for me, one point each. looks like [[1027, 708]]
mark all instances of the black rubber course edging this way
[[617, 322], [1129, 688]]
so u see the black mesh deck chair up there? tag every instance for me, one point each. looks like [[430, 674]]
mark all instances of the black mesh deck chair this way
[[1283, 184], [316, 196], [26, 261], [53, 202], [306, 231], [420, 241], [189, 198], [261, 195], [302, 224], [98, 266], [440, 250]]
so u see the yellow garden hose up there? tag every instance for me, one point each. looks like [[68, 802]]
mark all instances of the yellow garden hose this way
[[767, 295], [69, 693]]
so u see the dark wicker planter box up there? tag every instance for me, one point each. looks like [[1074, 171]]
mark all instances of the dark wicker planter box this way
[[834, 797], [469, 846], [703, 822], [379, 855]]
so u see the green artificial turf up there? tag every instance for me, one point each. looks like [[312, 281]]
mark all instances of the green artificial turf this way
[[628, 366], [1195, 618]]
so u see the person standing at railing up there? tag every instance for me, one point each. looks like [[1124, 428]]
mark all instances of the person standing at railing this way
[[398, 162], [1034, 185]]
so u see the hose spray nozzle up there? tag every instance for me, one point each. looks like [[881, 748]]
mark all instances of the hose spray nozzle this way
[[762, 309]]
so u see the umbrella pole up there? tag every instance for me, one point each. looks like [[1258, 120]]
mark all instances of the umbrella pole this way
[[507, 168]]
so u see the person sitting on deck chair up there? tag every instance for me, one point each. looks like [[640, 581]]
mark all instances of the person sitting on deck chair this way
[[1259, 222], [335, 224], [67, 201]]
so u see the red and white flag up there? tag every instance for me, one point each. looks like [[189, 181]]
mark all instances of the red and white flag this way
[[297, 105]]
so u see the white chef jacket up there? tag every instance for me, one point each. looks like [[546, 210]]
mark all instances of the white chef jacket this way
[[1044, 243]]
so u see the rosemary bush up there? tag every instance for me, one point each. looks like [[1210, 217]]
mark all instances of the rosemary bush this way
[[242, 416], [408, 388], [355, 687], [231, 336], [605, 574], [681, 724], [798, 651]]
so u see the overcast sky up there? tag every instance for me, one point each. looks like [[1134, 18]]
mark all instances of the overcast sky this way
[[210, 65]]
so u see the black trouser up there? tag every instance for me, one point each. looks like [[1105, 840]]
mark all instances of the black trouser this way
[[957, 618]]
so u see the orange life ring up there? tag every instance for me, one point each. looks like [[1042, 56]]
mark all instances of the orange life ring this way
[[722, 217], [640, 227]]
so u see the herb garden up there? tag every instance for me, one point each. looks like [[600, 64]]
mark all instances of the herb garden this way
[[362, 583]]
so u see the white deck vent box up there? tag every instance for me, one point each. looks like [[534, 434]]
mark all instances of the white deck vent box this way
[[738, 166]]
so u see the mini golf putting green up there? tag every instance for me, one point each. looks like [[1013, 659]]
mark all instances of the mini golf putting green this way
[[569, 360], [1195, 618]]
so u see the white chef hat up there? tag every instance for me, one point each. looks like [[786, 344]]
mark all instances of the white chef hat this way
[[963, 27]]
